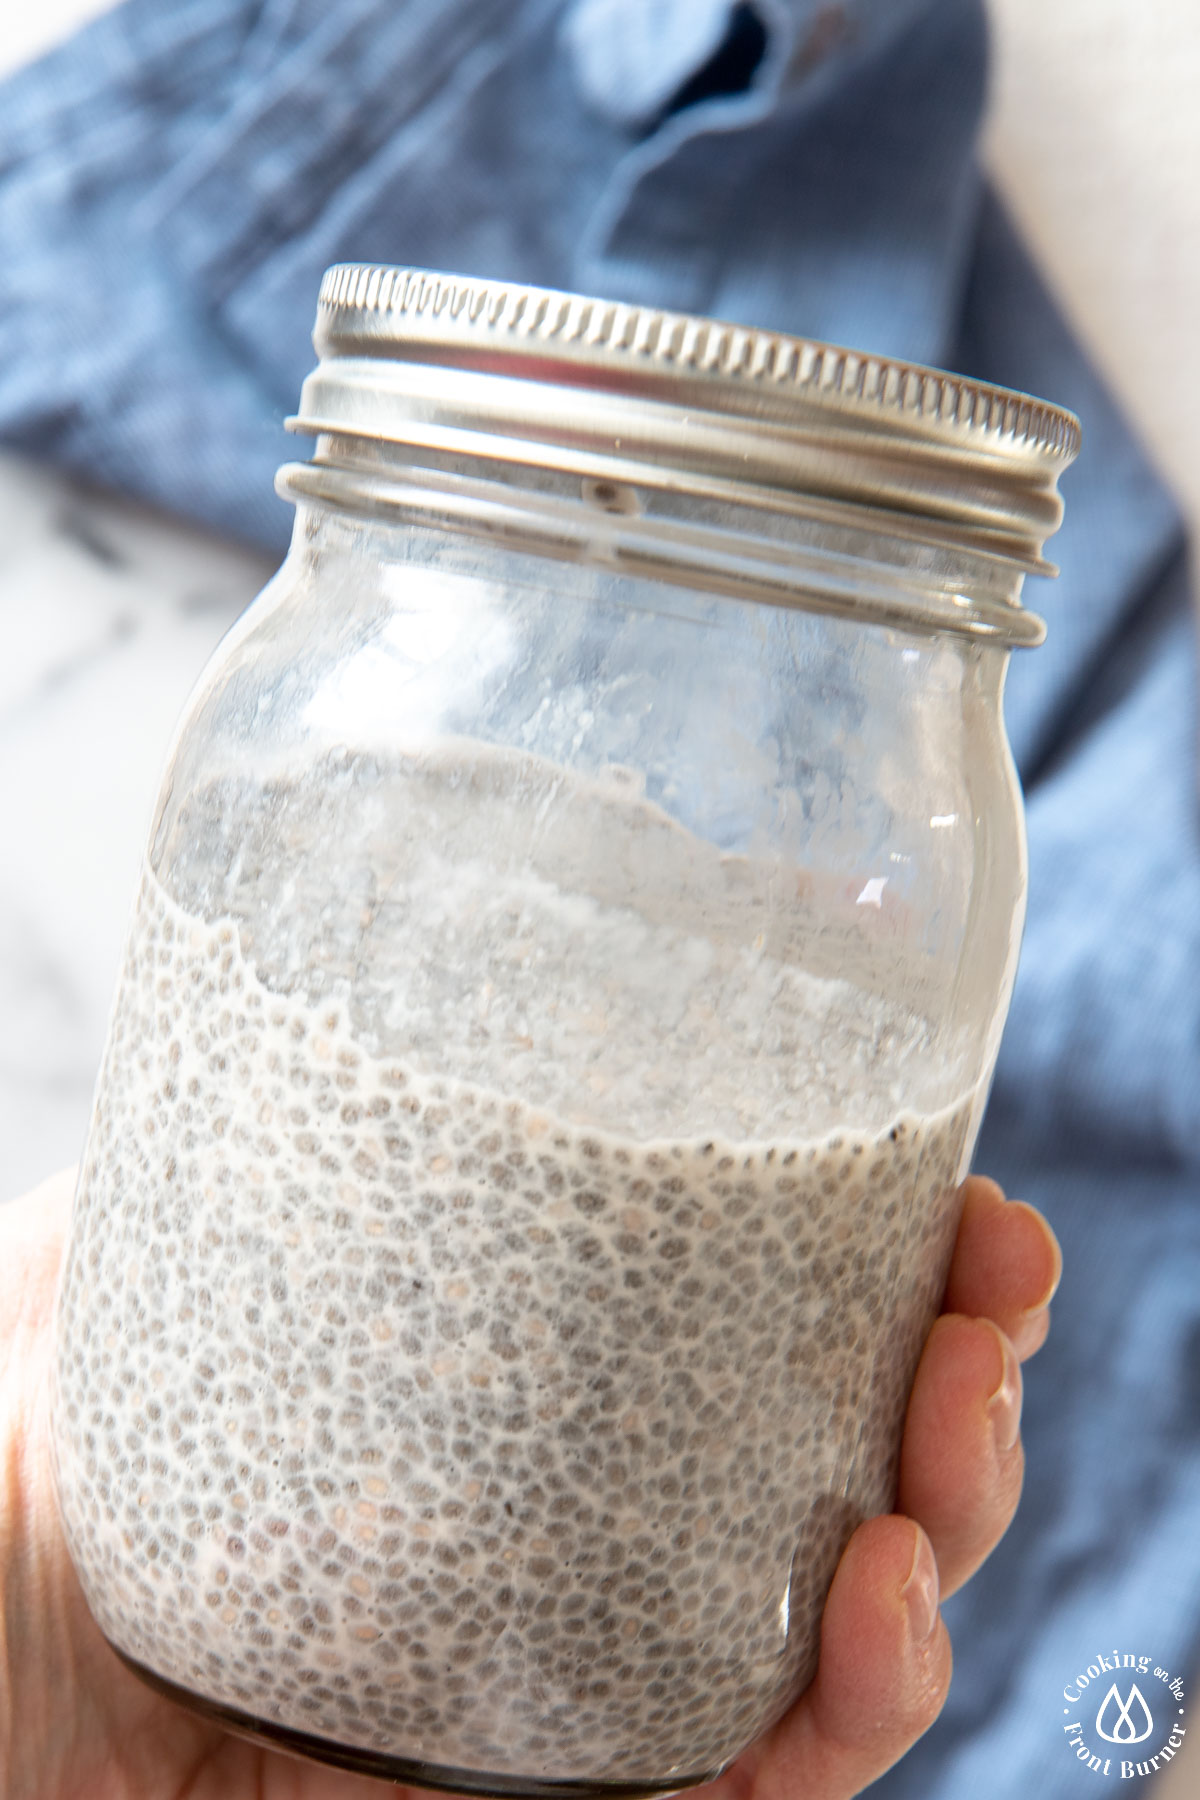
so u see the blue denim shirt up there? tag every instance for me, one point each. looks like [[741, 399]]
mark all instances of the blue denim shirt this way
[[172, 183]]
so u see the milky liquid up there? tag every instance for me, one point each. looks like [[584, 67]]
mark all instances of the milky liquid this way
[[479, 1423]]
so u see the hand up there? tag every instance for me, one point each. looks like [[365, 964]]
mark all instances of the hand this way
[[75, 1725]]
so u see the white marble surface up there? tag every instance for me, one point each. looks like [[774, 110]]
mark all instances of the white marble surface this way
[[107, 615]]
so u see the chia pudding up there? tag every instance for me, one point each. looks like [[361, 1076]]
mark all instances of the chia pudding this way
[[496, 1278]]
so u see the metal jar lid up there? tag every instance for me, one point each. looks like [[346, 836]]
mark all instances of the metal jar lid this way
[[663, 401]]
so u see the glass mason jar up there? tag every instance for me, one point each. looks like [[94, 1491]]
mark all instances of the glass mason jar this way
[[569, 964]]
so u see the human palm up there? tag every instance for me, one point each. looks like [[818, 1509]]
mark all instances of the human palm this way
[[76, 1725]]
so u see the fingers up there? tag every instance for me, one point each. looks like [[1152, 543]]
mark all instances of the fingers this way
[[1006, 1265], [962, 1464], [882, 1678]]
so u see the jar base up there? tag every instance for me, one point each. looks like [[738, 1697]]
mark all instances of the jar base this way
[[400, 1769]]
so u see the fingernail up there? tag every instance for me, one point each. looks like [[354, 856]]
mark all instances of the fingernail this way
[[920, 1591], [1028, 1333], [1004, 1402], [1044, 1300]]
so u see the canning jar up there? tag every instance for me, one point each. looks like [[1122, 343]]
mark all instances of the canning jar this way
[[570, 959]]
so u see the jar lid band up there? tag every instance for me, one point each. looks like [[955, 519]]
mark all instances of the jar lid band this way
[[636, 395]]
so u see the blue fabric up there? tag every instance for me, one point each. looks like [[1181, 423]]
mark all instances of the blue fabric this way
[[173, 182]]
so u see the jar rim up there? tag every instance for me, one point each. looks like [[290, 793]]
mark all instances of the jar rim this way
[[630, 393]]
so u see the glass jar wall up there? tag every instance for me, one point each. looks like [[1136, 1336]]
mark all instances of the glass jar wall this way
[[557, 1014]]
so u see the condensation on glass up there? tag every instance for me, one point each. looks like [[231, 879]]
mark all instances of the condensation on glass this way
[[568, 967]]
